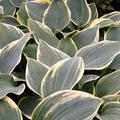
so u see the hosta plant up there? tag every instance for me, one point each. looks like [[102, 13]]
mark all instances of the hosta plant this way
[[58, 61]]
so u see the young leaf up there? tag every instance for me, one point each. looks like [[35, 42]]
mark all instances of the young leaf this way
[[86, 37], [28, 104], [109, 84], [35, 71], [111, 111], [62, 76], [42, 32], [57, 16], [9, 33], [99, 55], [35, 10], [9, 110], [8, 85], [48, 54], [10, 55], [80, 11], [67, 105]]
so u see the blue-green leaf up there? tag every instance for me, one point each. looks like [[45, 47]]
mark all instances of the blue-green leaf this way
[[35, 10], [57, 16], [48, 54], [35, 72], [42, 32], [67, 105], [10, 55], [62, 76], [9, 110], [80, 11]]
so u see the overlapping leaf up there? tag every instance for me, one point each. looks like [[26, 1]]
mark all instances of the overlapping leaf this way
[[114, 16], [9, 33], [9, 110], [10, 55], [99, 55], [111, 111], [22, 16], [86, 37], [8, 85], [68, 46], [9, 9], [9, 20], [62, 76], [36, 10], [28, 104], [80, 12], [113, 34], [48, 54], [94, 11], [109, 84], [87, 78], [31, 51], [102, 22], [67, 105], [41, 31], [57, 16], [35, 71]]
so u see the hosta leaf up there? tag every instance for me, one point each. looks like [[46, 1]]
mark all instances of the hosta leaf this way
[[28, 104], [9, 110], [101, 22], [68, 46], [67, 105], [22, 16], [111, 111], [80, 11], [109, 84], [31, 50], [36, 10], [115, 16], [17, 3], [86, 37], [88, 87], [10, 55], [9, 33], [41, 31], [1, 11], [7, 85], [113, 34], [62, 76], [115, 63], [99, 55], [9, 20], [111, 98], [94, 11], [9, 9], [35, 71], [48, 54], [87, 78], [57, 16]]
